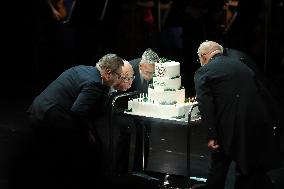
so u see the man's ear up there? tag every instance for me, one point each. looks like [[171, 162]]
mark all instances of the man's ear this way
[[108, 71], [107, 74]]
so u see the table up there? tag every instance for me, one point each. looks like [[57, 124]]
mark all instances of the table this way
[[191, 120]]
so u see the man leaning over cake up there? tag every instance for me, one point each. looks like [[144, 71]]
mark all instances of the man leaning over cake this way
[[144, 68], [238, 123], [127, 77]]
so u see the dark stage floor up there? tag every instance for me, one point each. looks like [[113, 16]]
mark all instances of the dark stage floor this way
[[167, 160]]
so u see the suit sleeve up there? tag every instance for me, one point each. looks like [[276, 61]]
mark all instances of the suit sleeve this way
[[205, 102], [89, 98]]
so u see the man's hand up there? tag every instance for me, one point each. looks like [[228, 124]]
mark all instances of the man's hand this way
[[212, 144]]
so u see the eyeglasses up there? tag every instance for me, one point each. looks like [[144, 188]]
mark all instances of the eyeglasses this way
[[128, 79]]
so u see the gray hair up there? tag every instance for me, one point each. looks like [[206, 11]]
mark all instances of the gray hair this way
[[111, 62], [150, 57], [209, 46]]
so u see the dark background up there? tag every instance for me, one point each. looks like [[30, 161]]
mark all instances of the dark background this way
[[35, 50]]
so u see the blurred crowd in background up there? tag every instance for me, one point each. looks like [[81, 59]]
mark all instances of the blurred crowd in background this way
[[172, 28]]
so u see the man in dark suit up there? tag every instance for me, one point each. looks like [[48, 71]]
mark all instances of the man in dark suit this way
[[239, 128], [144, 68], [270, 92], [120, 125], [62, 117], [136, 76]]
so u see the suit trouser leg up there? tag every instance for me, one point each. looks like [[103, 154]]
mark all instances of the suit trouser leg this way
[[257, 179], [220, 164], [122, 153], [63, 153]]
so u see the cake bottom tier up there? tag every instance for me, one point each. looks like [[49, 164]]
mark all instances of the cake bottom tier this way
[[148, 109]]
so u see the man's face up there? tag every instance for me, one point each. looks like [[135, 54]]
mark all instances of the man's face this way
[[147, 71], [110, 78], [125, 81]]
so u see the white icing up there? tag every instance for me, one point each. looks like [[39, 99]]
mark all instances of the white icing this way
[[150, 109], [160, 95], [166, 82], [167, 69], [165, 98]]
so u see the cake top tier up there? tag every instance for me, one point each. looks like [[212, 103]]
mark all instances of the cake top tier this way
[[167, 69]]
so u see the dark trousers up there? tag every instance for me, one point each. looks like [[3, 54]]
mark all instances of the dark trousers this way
[[63, 155], [220, 163], [122, 152]]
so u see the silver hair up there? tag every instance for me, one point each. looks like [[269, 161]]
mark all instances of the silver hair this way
[[150, 57], [208, 46], [110, 61]]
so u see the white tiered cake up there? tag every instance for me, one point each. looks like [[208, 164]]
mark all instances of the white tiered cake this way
[[166, 96]]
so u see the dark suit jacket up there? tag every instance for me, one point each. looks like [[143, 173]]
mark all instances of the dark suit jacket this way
[[232, 110], [270, 93], [137, 85], [77, 93]]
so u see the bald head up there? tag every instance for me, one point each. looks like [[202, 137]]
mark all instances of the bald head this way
[[127, 69], [126, 77], [207, 50]]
